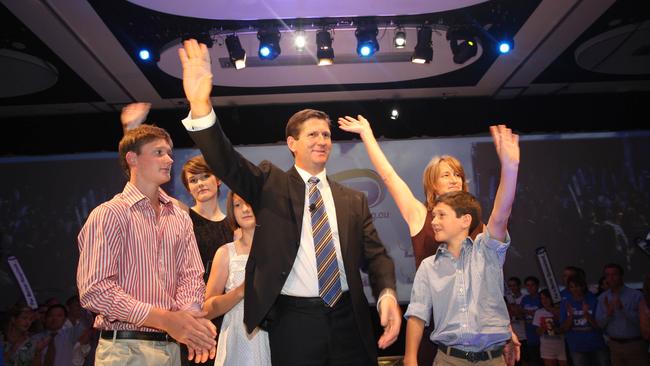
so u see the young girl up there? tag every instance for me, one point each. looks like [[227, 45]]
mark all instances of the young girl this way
[[211, 227], [225, 294], [547, 321]]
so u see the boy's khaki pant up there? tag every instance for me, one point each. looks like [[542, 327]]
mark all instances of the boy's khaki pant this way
[[132, 352], [443, 359]]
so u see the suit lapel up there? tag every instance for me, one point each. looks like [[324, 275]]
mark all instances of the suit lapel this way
[[297, 196], [342, 214]]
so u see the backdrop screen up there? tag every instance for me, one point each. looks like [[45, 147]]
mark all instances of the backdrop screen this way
[[583, 197]]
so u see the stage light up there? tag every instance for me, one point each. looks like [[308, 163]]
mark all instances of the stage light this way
[[144, 55], [269, 44], [300, 40], [236, 52], [505, 45], [324, 50], [394, 114], [462, 43], [423, 53], [148, 54], [504, 42], [399, 41], [463, 51], [367, 43]]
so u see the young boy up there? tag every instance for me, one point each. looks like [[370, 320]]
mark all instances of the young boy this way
[[139, 266], [463, 282]]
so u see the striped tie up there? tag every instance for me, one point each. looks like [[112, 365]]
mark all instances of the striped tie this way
[[329, 282]]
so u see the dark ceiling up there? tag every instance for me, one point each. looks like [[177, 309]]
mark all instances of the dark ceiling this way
[[68, 66]]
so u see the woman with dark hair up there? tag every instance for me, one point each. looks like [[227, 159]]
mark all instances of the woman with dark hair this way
[[20, 349], [225, 294], [211, 226]]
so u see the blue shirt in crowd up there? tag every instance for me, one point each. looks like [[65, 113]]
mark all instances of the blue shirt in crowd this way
[[624, 323], [530, 303], [582, 337]]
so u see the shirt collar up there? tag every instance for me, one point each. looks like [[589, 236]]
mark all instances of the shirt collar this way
[[132, 195], [322, 176], [443, 251]]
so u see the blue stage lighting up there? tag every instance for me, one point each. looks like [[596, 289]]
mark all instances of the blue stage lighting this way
[[265, 51], [365, 50], [504, 47], [144, 55], [505, 44], [269, 44], [367, 43]]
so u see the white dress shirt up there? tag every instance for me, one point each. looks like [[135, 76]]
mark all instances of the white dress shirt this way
[[303, 279]]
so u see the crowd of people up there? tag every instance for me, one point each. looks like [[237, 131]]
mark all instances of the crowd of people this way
[[53, 334], [608, 327]]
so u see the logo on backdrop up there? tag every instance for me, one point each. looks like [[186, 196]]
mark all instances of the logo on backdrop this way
[[364, 180]]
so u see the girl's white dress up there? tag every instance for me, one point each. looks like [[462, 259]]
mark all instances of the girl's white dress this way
[[236, 347]]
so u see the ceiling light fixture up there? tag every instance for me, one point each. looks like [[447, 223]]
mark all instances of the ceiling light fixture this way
[[463, 44], [144, 54], [236, 52], [300, 40], [148, 54], [269, 44], [367, 44], [394, 113], [423, 53], [324, 50], [505, 44], [399, 41]]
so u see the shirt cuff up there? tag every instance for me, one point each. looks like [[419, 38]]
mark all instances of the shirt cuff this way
[[419, 311], [387, 292], [200, 123], [492, 243], [139, 313], [192, 307]]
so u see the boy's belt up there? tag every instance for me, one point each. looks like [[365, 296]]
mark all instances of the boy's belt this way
[[134, 334], [471, 356]]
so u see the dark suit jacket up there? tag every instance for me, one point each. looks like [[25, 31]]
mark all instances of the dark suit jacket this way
[[278, 200]]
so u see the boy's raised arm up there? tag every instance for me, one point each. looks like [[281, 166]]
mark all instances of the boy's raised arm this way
[[507, 147]]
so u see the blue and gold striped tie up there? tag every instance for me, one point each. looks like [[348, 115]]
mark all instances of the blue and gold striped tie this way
[[329, 280]]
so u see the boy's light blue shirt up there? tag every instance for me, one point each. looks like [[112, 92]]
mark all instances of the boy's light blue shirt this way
[[465, 293]]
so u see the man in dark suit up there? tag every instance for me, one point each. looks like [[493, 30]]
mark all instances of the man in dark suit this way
[[302, 277]]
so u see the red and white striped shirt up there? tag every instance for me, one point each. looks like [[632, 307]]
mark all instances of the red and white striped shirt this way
[[130, 262]]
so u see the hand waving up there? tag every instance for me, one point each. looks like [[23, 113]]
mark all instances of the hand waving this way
[[506, 144], [360, 125], [133, 115], [197, 73]]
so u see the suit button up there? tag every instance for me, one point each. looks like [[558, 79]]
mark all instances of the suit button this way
[[283, 274]]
